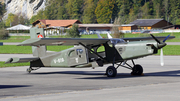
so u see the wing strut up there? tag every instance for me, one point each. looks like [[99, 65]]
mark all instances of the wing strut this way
[[93, 52]]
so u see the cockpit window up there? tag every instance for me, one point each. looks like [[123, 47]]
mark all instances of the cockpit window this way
[[115, 41]]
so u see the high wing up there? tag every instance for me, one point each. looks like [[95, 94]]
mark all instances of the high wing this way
[[76, 41], [62, 41], [147, 38]]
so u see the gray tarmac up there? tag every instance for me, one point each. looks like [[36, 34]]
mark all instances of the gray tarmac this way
[[87, 84]]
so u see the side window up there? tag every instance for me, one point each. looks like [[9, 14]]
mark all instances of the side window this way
[[79, 51]]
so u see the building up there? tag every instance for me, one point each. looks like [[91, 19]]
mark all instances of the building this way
[[55, 27], [95, 27], [55, 23], [104, 28], [127, 28], [151, 23], [172, 27]]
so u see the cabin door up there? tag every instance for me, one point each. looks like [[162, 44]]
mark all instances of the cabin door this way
[[77, 56]]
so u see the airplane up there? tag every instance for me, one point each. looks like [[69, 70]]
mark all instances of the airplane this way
[[85, 52]]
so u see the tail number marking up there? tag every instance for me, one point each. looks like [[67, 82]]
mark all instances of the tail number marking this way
[[60, 60]]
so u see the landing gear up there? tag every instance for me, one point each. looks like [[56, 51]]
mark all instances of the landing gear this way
[[111, 71], [31, 69], [137, 70]]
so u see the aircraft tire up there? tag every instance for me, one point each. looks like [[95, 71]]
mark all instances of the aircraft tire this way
[[29, 70], [137, 70], [111, 71]]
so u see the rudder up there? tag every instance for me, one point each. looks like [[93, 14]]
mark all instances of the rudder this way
[[36, 32]]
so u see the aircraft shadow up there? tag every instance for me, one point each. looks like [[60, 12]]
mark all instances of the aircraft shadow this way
[[74, 73], [119, 75], [128, 75], [13, 86]]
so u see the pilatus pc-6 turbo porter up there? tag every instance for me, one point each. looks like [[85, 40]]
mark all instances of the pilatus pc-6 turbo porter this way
[[85, 54]]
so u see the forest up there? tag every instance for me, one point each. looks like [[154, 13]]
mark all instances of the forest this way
[[105, 11]]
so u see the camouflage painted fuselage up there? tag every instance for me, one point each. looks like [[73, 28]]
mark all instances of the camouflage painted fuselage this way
[[79, 56]]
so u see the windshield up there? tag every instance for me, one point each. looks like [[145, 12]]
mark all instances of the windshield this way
[[115, 41]]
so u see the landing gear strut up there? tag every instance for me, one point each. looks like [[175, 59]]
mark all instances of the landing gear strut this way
[[31, 69], [137, 69]]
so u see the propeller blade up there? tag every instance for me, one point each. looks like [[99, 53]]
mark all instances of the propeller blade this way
[[161, 58], [155, 39], [166, 38]]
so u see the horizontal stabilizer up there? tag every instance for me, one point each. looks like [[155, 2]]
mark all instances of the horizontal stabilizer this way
[[20, 60]]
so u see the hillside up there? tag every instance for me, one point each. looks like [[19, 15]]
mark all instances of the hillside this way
[[96, 11], [26, 8]]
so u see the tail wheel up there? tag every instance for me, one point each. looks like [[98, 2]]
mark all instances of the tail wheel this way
[[111, 71], [29, 70], [137, 70]]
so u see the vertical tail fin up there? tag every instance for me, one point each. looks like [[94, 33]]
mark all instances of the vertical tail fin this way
[[36, 32]]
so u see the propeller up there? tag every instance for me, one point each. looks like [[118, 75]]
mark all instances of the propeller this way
[[160, 46], [161, 58]]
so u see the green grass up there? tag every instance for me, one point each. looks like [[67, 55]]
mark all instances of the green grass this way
[[171, 50], [12, 49], [2, 64], [15, 39]]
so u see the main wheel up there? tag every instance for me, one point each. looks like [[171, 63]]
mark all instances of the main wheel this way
[[111, 71], [137, 70]]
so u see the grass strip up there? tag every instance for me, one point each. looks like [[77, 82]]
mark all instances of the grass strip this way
[[170, 50], [13, 49]]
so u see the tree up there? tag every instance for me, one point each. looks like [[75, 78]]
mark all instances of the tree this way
[[132, 16], [174, 9], [61, 13], [166, 9], [145, 10], [10, 19], [89, 9], [2, 10], [104, 11], [15, 20], [116, 29], [73, 32], [73, 8], [33, 19]]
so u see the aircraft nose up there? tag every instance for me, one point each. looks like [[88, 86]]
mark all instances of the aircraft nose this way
[[161, 45]]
